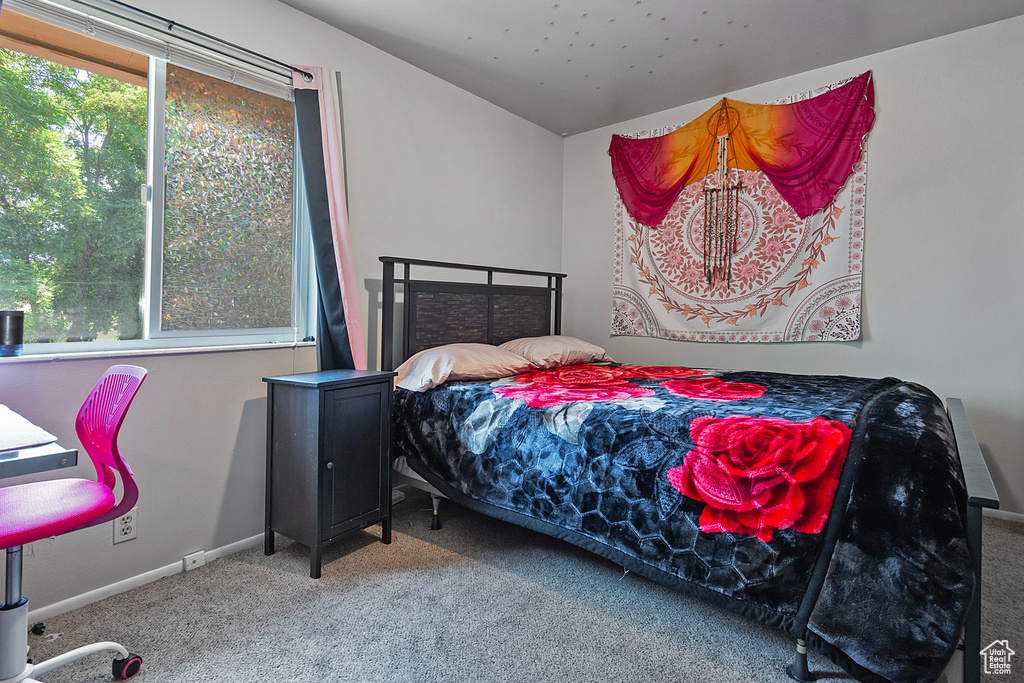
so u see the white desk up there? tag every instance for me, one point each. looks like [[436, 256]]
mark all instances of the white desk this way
[[51, 456], [19, 453]]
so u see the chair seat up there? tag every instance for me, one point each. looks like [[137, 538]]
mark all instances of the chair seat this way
[[29, 512]]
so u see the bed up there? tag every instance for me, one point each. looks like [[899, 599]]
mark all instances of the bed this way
[[845, 511]]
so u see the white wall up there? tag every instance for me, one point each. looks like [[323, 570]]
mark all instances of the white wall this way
[[433, 172], [942, 265]]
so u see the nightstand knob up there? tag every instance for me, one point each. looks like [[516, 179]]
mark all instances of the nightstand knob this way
[[330, 465]]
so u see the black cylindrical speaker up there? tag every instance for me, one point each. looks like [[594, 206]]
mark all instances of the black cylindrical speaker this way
[[12, 330]]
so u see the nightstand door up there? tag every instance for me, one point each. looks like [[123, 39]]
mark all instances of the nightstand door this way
[[356, 457]]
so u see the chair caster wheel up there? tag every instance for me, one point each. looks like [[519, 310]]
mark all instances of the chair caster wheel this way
[[127, 667]]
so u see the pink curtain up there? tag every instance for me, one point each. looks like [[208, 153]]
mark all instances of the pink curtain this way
[[323, 82]]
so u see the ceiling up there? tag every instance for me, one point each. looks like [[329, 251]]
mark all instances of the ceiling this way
[[575, 65]]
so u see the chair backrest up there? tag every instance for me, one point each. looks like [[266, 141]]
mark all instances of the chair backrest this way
[[98, 422]]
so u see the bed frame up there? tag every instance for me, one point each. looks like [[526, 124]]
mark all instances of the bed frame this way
[[439, 311]]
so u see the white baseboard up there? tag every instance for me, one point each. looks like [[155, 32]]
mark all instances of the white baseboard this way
[[1002, 514], [232, 548], [98, 594]]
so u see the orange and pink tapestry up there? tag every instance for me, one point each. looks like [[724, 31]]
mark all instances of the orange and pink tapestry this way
[[795, 254]]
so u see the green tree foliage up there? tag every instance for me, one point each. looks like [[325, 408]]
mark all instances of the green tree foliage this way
[[72, 227]]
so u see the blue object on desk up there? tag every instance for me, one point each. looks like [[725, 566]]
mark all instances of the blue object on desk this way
[[12, 329]]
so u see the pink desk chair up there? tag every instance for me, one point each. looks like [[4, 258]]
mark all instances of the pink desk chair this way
[[30, 512]]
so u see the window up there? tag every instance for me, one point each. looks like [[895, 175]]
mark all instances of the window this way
[[119, 236], [227, 220]]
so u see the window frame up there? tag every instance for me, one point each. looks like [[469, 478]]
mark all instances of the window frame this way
[[191, 56]]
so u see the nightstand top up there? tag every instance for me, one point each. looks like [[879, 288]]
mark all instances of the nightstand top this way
[[332, 377]]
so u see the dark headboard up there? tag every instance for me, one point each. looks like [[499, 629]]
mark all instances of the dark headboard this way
[[440, 311]]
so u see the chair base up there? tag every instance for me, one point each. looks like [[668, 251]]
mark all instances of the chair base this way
[[120, 663], [14, 652], [125, 666]]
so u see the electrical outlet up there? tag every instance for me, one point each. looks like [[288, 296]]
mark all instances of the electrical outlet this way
[[193, 560], [126, 527]]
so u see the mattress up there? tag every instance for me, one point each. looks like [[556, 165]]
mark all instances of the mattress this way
[[831, 507]]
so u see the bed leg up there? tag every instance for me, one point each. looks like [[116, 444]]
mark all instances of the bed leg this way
[[798, 670], [972, 629], [435, 522]]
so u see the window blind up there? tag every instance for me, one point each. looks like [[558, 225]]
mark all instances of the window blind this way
[[143, 32]]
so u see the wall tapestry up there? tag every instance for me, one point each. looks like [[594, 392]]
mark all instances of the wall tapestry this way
[[768, 251]]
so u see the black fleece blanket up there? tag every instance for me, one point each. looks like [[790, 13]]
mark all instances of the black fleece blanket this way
[[831, 507]]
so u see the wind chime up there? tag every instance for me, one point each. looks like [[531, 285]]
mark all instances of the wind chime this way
[[721, 204]]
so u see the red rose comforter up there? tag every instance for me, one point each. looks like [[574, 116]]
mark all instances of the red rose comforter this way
[[831, 507]]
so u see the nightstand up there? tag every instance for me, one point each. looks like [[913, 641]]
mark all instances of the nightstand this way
[[328, 457]]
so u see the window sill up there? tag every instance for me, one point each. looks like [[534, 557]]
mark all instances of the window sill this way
[[167, 351]]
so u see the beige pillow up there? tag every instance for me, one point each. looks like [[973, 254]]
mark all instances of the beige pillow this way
[[432, 367], [556, 350]]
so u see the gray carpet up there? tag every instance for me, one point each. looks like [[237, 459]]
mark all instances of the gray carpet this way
[[479, 600]]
